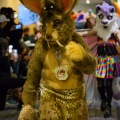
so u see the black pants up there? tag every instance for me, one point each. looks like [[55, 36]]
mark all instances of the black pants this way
[[6, 84], [105, 89]]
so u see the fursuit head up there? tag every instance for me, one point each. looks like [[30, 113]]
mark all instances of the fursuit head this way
[[105, 21]]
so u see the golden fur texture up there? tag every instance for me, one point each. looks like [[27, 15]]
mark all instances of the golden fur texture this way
[[59, 52], [29, 113], [71, 49]]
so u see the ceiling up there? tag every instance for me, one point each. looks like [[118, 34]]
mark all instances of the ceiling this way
[[91, 1], [81, 5]]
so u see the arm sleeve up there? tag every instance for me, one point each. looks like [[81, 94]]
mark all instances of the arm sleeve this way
[[88, 65], [33, 76]]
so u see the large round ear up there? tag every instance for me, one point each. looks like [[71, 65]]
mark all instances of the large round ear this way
[[68, 5], [33, 5], [112, 9], [98, 8]]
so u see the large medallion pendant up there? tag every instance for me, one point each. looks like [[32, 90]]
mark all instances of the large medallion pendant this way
[[61, 72]]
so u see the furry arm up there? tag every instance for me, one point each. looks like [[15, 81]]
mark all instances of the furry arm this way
[[33, 76], [88, 64]]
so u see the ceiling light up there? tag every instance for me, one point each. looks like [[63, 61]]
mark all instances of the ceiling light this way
[[87, 1]]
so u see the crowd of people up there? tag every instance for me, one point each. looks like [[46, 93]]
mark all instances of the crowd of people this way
[[19, 45], [15, 53], [82, 19]]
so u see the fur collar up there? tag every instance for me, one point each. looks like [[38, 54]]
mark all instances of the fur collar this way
[[103, 33]]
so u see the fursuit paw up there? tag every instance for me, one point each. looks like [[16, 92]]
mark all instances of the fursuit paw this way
[[28, 113], [75, 51]]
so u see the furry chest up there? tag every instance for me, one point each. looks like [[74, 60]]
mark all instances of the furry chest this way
[[56, 65]]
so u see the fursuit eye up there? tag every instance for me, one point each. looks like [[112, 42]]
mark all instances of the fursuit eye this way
[[101, 16], [56, 23], [109, 17]]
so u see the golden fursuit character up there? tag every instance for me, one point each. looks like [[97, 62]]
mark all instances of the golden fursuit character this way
[[56, 68]]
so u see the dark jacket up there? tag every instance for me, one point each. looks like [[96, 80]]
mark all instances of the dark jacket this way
[[5, 76], [4, 71]]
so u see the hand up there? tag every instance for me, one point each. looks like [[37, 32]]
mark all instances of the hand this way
[[27, 113], [15, 58], [75, 51]]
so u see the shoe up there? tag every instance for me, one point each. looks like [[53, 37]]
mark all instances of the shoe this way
[[103, 105], [107, 112]]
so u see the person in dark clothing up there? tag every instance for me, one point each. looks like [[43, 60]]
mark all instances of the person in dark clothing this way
[[23, 52], [26, 35], [24, 57], [15, 34], [3, 23], [6, 79]]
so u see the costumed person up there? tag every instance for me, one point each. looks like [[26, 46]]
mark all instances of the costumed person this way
[[80, 20], [107, 30], [57, 64]]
